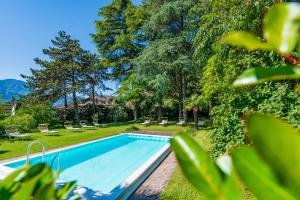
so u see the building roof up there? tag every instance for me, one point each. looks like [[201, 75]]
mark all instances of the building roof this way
[[99, 100]]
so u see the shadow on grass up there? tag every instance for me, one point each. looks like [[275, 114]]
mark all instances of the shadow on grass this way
[[13, 140], [77, 131], [3, 151], [146, 195], [55, 135], [90, 129]]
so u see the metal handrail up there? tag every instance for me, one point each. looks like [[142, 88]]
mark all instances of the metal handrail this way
[[58, 164], [29, 147]]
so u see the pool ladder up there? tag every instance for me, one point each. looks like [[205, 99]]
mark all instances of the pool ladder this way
[[29, 147], [43, 156], [58, 164]]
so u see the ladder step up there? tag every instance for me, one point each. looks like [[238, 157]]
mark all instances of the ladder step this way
[[29, 147], [58, 164]]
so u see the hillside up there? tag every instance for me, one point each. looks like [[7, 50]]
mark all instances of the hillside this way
[[12, 88]]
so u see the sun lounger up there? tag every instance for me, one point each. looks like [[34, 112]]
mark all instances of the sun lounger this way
[[147, 122], [84, 125], [14, 133], [201, 123], [96, 124], [43, 128], [181, 122], [69, 126], [164, 122]]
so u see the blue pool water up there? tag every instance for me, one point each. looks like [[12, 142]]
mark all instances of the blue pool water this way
[[104, 164]]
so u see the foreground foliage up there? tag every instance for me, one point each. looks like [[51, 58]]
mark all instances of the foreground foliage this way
[[267, 172], [36, 182], [267, 167]]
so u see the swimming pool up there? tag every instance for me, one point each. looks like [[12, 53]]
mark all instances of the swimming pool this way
[[112, 167]]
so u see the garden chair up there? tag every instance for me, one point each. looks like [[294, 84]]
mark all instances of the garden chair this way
[[181, 122], [96, 124], [103, 125], [69, 126], [204, 122], [164, 121], [201, 123], [84, 125], [43, 128], [14, 133], [147, 122]]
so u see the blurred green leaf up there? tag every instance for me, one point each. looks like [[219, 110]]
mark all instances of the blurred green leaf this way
[[281, 26], [246, 40], [33, 180], [10, 183], [63, 192], [46, 191], [230, 187], [37, 183], [197, 166], [278, 143], [259, 75], [257, 175]]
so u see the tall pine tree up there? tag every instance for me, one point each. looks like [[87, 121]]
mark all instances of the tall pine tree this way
[[60, 75], [94, 76], [113, 37]]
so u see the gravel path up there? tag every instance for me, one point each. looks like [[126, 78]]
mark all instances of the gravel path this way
[[157, 181]]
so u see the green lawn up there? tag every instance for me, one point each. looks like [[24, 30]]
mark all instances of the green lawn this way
[[178, 187]]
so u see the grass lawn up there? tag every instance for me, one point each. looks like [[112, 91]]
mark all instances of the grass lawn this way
[[179, 188], [14, 148]]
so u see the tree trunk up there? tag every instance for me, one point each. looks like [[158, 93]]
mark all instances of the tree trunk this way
[[180, 110], [159, 112], [93, 99], [65, 101], [195, 114], [136, 112], [65, 96], [184, 92], [75, 103], [180, 103]]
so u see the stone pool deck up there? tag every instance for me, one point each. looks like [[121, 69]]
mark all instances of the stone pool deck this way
[[154, 185]]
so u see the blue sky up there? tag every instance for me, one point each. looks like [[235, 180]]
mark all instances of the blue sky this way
[[27, 26]]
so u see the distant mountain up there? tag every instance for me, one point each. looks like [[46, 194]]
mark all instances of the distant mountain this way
[[12, 88]]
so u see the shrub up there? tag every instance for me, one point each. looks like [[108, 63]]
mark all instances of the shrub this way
[[132, 128], [24, 122], [275, 98], [41, 113], [117, 114]]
